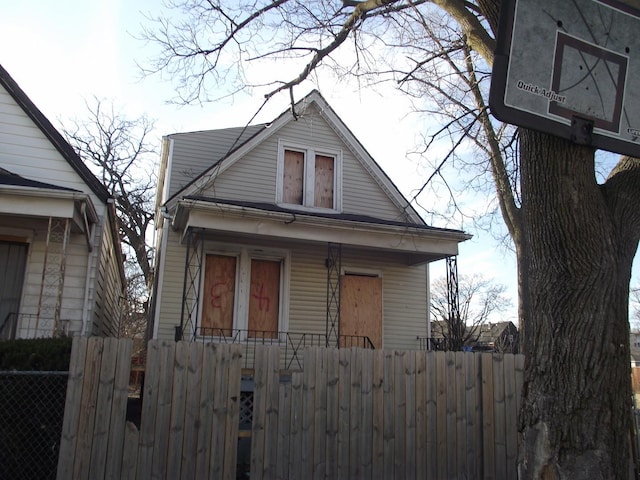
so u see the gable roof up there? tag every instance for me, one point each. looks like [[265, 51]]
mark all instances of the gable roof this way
[[10, 178], [49, 131], [250, 136]]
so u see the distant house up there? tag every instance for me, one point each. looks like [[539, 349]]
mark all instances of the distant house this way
[[488, 337], [289, 233], [60, 257]]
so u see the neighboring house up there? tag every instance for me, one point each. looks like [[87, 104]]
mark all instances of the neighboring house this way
[[60, 257], [493, 337], [289, 233]]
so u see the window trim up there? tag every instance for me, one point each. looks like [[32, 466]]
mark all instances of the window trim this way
[[244, 255], [308, 188]]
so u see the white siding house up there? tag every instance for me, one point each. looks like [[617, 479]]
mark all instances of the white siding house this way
[[59, 246], [289, 232]]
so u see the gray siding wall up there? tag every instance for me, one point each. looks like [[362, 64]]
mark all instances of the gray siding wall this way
[[404, 292], [253, 178]]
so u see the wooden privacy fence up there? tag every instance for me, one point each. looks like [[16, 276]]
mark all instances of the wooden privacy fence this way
[[351, 413]]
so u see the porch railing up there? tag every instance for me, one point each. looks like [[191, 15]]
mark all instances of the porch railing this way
[[292, 344]]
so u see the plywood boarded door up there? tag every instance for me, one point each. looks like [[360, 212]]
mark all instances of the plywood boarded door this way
[[219, 294], [361, 307], [264, 302]]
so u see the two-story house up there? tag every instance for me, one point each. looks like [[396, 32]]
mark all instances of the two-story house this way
[[289, 233], [60, 259]]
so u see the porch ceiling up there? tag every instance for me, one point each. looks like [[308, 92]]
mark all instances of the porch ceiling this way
[[415, 244]]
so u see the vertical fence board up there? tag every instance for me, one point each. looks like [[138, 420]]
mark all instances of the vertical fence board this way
[[71, 411], [104, 399], [297, 406], [208, 384], [499, 416], [473, 413], [400, 404], [216, 460], [308, 415], [260, 379], [441, 414], [271, 413], [366, 412], [344, 402], [377, 423], [88, 408], [163, 410], [333, 395], [149, 408], [432, 448], [178, 406], [192, 420], [462, 467], [452, 440], [232, 410], [421, 415], [355, 412], [488, 426], [119, 410], [129, 453], [320, 420], [284, 432], [410, 422], [511, 420], [389, 415]]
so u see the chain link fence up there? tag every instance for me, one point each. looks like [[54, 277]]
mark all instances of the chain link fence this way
[[31, 414]]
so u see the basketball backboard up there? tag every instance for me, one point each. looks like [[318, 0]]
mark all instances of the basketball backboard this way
[[571, 68]]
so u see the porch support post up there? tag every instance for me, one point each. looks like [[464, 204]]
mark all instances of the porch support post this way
[[53, 273], [334, 266], [455, 326], [191, 287]]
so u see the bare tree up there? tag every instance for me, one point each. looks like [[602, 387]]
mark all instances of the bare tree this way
[[479, 299], [635, 312], [120, 153], [575, 239]]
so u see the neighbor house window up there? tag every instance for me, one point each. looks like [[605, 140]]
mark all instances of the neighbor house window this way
[[245, 290], [309, 177]]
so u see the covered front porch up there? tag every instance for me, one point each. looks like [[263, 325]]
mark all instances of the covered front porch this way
[[326, 280]]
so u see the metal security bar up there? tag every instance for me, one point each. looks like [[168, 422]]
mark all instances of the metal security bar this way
[[334, 265], [292, 344]]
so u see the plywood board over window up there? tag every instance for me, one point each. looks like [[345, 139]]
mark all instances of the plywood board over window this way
[[264, 301], [361, 307], [218, 295], [324, 181], [293, 182]]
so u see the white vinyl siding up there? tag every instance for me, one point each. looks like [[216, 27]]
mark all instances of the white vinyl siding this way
[[404, 291], [26, 151]]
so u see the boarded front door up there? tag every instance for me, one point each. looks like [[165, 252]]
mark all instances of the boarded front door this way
[[361, 307], [13, 259]]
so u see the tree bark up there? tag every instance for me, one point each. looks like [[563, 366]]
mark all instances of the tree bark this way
[[575, 416]]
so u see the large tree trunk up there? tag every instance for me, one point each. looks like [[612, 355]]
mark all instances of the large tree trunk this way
[[575, 417]]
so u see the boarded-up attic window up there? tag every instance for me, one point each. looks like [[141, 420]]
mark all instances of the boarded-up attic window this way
[[324, 181], [264, 302], [219, 293], [293, 184]]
